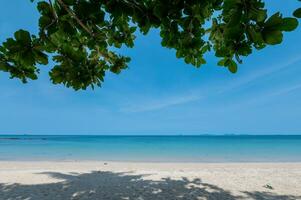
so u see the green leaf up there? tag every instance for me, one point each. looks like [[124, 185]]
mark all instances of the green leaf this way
[[221, 52], [187, 59], [261, 15], [44, 21], [235, 18], [221, 62], [274, 21], [255, 37], [44, 8], [297, 13], [41, 57], [23, 37], [232, 67], [159, 10], [289, 24], [69, 2], [273, 37], [178, 54]]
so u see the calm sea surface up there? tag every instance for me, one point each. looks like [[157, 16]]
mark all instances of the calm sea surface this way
[[152, 148]]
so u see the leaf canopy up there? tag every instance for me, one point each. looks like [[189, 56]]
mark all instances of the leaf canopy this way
[[81, 36]]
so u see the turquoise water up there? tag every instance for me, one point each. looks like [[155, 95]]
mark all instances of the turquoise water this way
[[153, 148]]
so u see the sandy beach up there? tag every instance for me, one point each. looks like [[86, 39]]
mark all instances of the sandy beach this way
[[39, 180]]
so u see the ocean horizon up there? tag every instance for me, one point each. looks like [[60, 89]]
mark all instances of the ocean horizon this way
[[152, 148]]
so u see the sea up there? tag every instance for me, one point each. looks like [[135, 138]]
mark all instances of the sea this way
[[200, 148]]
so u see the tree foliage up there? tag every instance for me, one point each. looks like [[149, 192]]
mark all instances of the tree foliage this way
[[80, 35]]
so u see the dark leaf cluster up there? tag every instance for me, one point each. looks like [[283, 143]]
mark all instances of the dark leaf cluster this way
[[82, 36]]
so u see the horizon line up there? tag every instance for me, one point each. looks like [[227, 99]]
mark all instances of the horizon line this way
[[145, 135]]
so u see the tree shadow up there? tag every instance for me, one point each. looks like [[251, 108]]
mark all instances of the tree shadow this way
[[99, 185]]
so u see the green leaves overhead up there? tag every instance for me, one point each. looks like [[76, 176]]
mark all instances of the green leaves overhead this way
[[19, 56], [81, 36]]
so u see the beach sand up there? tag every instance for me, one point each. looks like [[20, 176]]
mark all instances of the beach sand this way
[[39, 180]]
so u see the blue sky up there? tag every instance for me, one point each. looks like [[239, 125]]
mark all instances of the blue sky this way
[[160, 94]]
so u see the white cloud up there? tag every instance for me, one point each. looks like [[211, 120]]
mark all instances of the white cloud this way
[[260, 74], [160, 103], [143, 104]]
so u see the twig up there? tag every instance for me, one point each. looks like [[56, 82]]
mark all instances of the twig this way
[[75, 17], [84, 27], [134, 3], [52, 9]]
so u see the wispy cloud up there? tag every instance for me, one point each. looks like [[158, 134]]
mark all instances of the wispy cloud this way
[[258, 91], [267, 71], [159, 103], [275, 93], [285, 90]]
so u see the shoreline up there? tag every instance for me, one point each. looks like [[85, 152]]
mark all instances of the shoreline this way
[[149, 161]]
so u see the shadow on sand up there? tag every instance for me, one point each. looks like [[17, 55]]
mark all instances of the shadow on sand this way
[[120, 186]]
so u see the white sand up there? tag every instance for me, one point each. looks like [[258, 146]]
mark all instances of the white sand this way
[[149, 181]]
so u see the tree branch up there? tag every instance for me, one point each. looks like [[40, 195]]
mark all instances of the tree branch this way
[[61, 2], [75, 17], [52, 9]]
